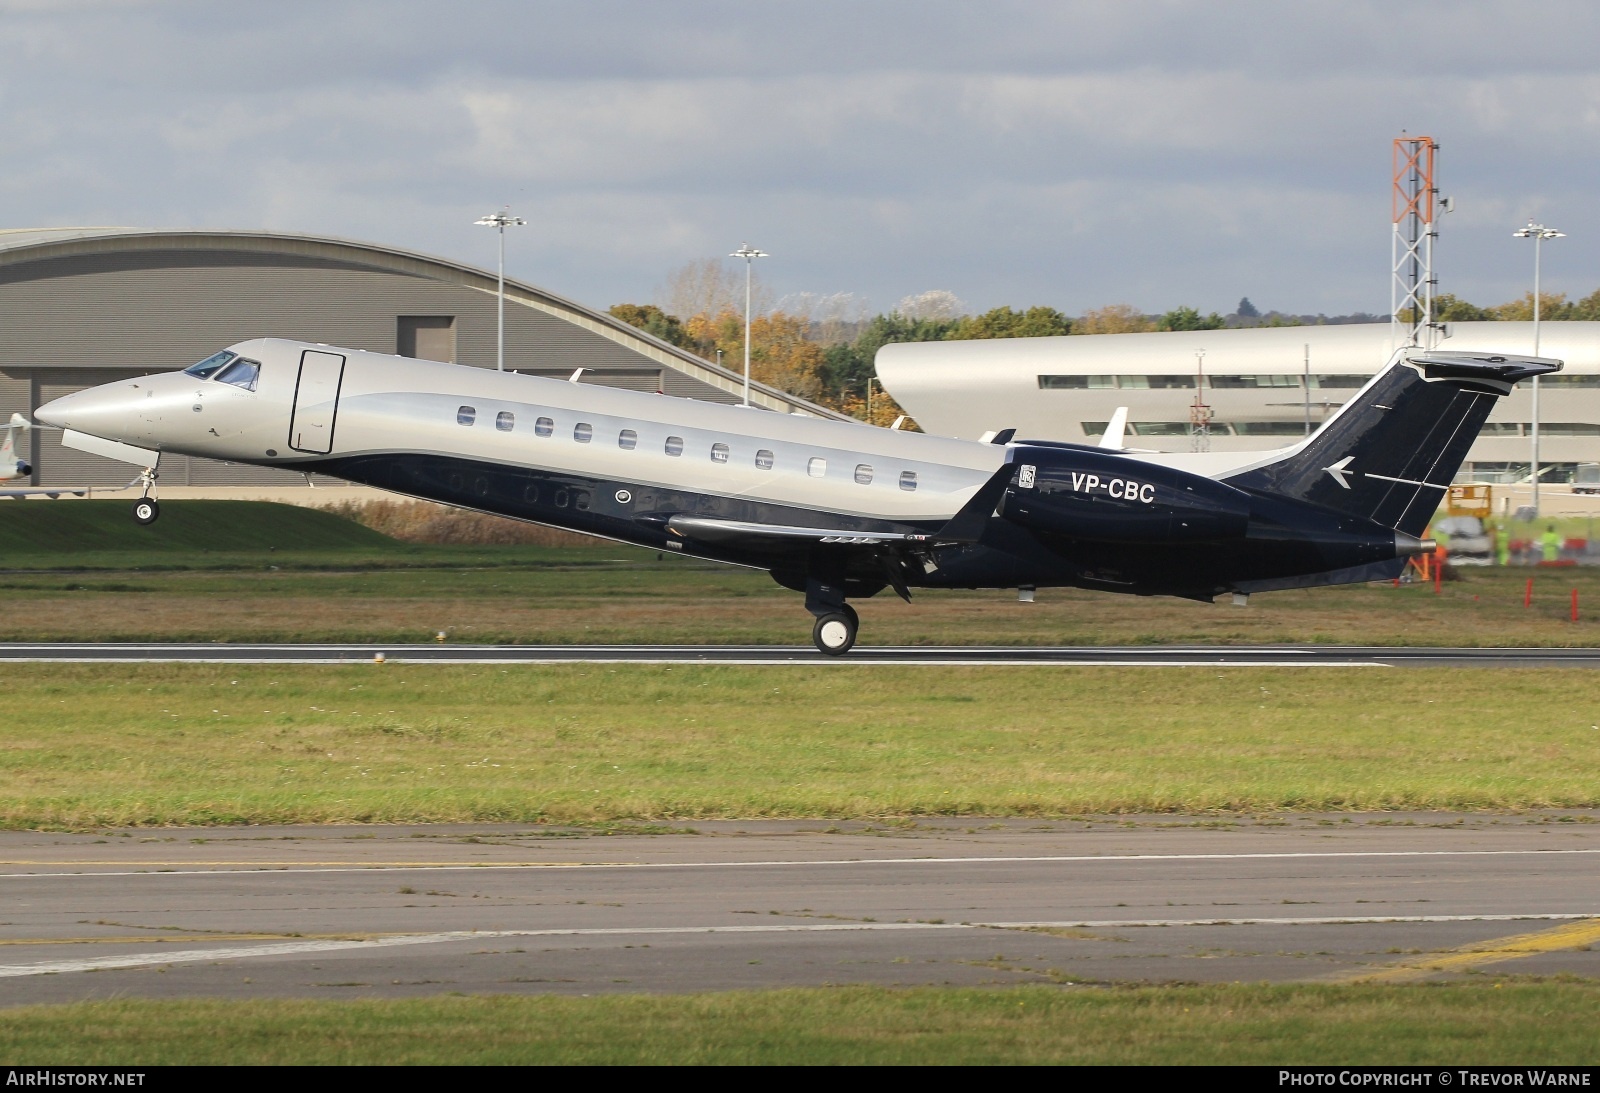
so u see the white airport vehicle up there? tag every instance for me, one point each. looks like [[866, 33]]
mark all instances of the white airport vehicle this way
[[833, 509]]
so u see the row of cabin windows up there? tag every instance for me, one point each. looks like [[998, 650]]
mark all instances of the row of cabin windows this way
[[628, 440]]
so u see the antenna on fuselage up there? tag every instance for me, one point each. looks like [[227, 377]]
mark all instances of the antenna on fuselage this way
[[575, 374]]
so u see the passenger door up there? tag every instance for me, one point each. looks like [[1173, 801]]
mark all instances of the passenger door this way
[[316, 401]]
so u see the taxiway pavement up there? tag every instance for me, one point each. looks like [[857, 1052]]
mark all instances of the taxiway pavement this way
[[341, 912]]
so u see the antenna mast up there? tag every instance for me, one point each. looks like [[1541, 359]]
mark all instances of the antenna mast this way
[[1415, 199], [1199, 412]]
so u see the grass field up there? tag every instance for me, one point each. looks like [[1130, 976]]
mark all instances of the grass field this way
[[623, 595], [84, 746], [1496, 1021], [238, 571]]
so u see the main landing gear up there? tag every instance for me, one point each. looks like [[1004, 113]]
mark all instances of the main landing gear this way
[[837, 622], [835, 631], [147, 510]]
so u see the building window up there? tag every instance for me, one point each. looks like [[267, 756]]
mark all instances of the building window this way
[[505, 421], [1238, 382], [674, 445], [627, 440], [719, 453], [1347, 383], [863, 474], [908, 480], [816, 466], [764, 459], [544, 427], [583, 432], [1076, 383], [466, 415]]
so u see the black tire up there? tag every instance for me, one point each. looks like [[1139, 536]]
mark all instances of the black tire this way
[[146, 511], [835, 632]]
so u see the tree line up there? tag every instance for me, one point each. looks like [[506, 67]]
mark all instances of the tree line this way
[[822, 348]]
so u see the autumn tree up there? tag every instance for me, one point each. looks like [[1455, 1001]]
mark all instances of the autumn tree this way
[[1002, 322], [1113, 319], [1187, 318], [1552, 306], [652, 320], [1449, 308], [1588, 308], [710, 286]]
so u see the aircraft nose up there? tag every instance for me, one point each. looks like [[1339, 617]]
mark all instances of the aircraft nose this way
[[102, 411]]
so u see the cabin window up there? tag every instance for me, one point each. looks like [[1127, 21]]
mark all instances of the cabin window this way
[[544, 427], [580, 500], [719, 453], [530, 494], [908, 480], [583, 432], [561, 499], [816, 466], [627, 440], [863, 474], [764, 459], [241, 373], [466, 415], [674, 445], [505, 421]]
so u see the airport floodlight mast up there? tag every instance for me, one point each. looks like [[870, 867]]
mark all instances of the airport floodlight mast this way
[[749, 254], [501, 220], [1415, 200], [1538, 233]]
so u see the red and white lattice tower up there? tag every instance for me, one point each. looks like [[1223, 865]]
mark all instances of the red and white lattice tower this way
[[1416, 200]]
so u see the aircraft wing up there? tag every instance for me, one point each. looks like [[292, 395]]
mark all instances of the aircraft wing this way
[[965, 526], [712, 530], [51, 492]]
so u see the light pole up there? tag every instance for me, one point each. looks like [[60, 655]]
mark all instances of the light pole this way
[[749, 254], [1538, 233], [501, 220]]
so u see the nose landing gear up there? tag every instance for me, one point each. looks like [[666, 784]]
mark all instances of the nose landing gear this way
[[146, 510]]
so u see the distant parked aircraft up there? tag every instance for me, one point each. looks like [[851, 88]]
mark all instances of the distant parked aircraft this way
[[833, 509], [13, 466]]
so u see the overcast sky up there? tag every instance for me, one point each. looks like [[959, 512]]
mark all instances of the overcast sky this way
[[1070, 154]]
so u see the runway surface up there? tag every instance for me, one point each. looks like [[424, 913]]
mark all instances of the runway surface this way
[[1277, 656], [340, 912]]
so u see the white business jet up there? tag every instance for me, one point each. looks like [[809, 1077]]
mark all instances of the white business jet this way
[[833, 509]]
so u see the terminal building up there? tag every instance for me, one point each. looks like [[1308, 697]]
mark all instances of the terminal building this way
[[85, 306], [1261, 388]]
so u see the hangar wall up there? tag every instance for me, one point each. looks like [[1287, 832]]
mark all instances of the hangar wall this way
[[125, 303]]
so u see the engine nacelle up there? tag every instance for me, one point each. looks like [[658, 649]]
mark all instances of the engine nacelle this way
[[1094, 495]]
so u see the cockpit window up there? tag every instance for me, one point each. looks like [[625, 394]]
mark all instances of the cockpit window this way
[[210, 365], [241, 373]]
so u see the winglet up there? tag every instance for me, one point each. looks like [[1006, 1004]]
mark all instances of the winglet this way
[[1116, 430], [967, 525]]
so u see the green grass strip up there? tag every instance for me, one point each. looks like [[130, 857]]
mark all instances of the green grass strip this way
[[89, 745], [1490, 1022]]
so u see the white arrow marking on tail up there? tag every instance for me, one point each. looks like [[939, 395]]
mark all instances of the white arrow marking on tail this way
[[1340, 471]]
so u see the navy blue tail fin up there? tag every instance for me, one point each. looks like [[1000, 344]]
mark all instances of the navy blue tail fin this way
[[1390, 452]]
